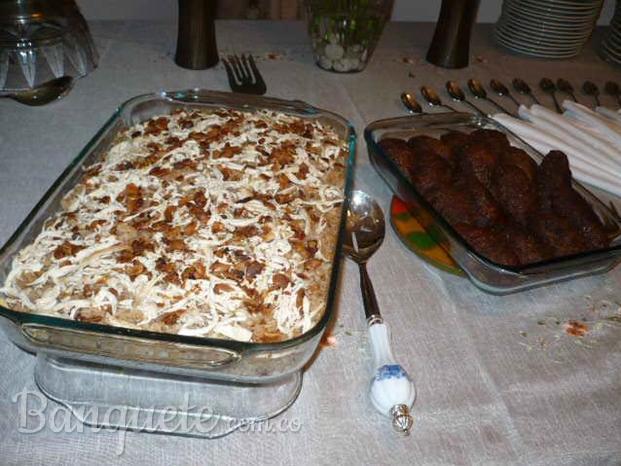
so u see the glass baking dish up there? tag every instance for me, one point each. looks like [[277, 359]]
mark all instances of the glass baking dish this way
[[218, 359], [487, 275]]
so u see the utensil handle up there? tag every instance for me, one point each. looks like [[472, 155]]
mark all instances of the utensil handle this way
[[245, 101], [379, 336], [556, 105], [515, 101], [392, 390], [499, 107], [474, 107], [371, 308]]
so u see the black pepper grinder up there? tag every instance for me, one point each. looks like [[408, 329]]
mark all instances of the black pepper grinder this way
[[196, 34], [450, 47]]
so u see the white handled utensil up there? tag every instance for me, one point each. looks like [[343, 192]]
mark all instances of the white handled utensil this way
[[392, 390]]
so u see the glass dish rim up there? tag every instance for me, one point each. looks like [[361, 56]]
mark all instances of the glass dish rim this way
[[525, 270], [194, 96]]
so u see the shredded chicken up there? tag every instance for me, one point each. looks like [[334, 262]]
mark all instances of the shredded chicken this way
[[208, 223]]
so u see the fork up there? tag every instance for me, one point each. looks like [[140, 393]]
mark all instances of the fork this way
[[243, 75]]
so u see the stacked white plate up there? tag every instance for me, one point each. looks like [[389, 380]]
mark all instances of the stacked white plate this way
[[547, 28], [611, 45]]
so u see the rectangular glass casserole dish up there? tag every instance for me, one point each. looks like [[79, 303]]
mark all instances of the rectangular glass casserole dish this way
[[484, 273], [183, 355]]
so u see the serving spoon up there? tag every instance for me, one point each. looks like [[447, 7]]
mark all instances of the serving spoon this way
[[502, 90], [44, 93], [566, 87], [433, 99], [458, 95], [411, 103], [548, 86], [612, 88], [392, 390], [479, 92], [590, 89], [523, 88]]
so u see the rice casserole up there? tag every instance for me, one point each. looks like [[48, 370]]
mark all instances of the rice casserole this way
[[217, 223]]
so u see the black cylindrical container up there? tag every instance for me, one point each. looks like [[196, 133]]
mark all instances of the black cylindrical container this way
[[196, 34], [450, 47]]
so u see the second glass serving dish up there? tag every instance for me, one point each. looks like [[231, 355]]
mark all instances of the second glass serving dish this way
[[484, 273]]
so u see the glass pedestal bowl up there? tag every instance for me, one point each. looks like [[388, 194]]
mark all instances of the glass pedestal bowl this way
[[41, 40]]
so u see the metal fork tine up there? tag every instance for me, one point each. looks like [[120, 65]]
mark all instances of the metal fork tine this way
[[230, 67], [236, 72], [242, 75], [247, 70], [244, 67], [260, 84], [229, 74]]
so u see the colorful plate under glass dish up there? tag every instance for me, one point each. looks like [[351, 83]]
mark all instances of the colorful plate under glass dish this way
[[416, 238]]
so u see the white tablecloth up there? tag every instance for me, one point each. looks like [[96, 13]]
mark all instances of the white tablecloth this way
[[499, 379]]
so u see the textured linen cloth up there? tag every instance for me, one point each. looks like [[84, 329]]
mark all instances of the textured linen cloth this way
[[500, 380]]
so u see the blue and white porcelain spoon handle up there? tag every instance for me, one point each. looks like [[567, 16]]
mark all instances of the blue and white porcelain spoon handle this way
[[391, 390]]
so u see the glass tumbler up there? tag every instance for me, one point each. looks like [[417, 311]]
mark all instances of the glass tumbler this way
[[344, 33]]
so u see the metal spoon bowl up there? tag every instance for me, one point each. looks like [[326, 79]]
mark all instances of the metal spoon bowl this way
[[590, 88], [548, 86], [566, 87], [411, 103], [433, 98], [458, 95], [45, 93], [365, 227], [479, 92], [477, 89], [523, 88], [502, 90]]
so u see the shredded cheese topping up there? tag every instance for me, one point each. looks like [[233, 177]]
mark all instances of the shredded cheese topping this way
[[219, 224]]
